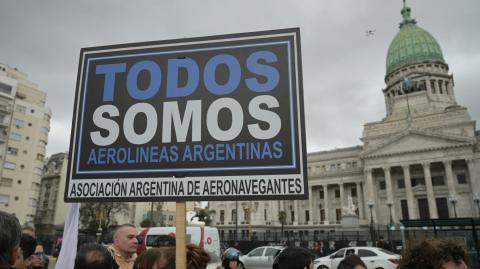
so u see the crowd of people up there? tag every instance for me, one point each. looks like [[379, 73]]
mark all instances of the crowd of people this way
[[19, 249]]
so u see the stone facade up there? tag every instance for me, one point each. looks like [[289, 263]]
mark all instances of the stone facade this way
[[420, 161]]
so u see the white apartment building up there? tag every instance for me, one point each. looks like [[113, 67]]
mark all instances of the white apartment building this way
[[24, 128]]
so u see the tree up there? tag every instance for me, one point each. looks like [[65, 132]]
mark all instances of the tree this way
[[282, 218], [100, 215], [146, 223], [205, 215]]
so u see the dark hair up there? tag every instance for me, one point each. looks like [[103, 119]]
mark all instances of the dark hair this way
[[228, 257], [350, 262], [168, 254], [432, 254], [293, 258], [197, 257], [148, 258], [94, 256], [28, 245], [9, 237]]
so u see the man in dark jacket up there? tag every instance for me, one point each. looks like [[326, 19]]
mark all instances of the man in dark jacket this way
[[10, 250]]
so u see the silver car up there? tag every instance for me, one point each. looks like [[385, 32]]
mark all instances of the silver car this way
[[260, 258], [374, 258]]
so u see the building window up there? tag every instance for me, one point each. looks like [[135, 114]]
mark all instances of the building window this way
[[170, 218], [322, 194], [12, 151], [20, 109], [4, 88], [18, 123], [438, 181], [234, 215], [4, 199], [307, 215], [382, 185], [418, 181], [32, 202], [400, 183], [265, 214], [6, 182], [461, 179], [38, 171], [353, 192], [292, 215], [9, 165], [222, 216], [15, 136], [337, 193]]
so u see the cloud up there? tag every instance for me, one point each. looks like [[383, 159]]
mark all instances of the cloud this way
[[343, 69]]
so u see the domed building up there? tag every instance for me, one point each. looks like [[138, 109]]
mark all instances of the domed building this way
[[419, 162]]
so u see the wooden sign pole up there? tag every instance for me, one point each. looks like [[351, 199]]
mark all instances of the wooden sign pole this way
[[181, 236]]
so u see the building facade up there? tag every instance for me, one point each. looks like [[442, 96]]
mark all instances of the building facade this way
[[420, 161], [24, 128], [51, 210]]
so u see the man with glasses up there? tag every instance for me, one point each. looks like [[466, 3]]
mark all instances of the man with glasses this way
[[124, 247], [294, 258]]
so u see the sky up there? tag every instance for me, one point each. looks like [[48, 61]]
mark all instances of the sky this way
[[343, 68]]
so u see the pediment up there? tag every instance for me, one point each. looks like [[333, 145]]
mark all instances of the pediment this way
[[416, 141]]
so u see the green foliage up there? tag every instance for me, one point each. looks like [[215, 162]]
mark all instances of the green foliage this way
[[205, 215], [146, 223], [100, 215]]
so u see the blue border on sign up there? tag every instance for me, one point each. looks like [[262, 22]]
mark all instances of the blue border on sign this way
[[294, 150]]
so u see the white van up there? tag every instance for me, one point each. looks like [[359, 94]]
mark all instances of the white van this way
[[204, 237]]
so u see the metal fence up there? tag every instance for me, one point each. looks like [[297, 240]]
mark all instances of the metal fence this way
[[395, 239]]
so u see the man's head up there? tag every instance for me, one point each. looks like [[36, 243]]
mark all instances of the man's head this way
[[294, 258], [125, 239], [28, 245], [9, 239], [352, 262], [28, 230], [93, 256]]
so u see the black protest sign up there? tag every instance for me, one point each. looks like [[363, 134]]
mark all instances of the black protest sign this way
[[212, 118]]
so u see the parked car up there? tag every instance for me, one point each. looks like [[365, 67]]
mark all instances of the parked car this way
[[374, 258], [260, 258]]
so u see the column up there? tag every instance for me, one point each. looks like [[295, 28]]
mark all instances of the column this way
[[370, 192], [342, 195], [360, 201], [326, 204], [310, 205], [432, 204], [473, 176], [295, 209], [389, 186], [429, 88], [473, 182], [437, 86], [412, 205], [450, 181]]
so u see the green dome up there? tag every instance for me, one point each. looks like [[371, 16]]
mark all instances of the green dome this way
[[411, 45]]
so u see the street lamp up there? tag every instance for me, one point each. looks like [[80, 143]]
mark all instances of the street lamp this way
[[453, 200], [389, 204], [372, 230], [476, 199]]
